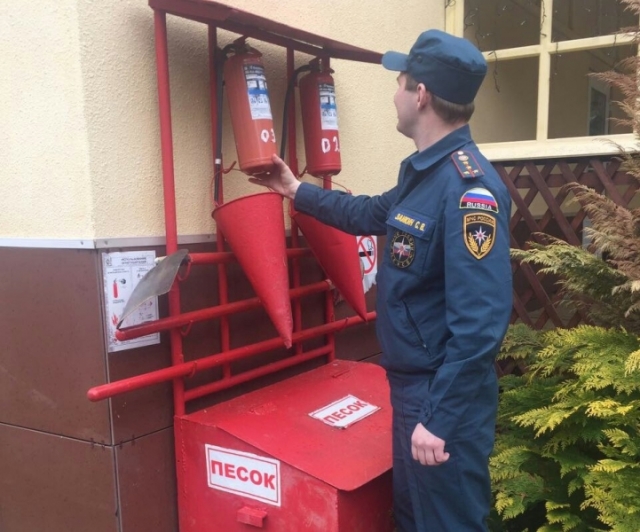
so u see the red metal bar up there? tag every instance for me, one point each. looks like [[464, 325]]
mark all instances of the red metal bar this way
[[267, 345], [293, 164], [225, 257], [168, 185], [264, 29], [187, 318], [329, 307], [223, 291], [166, 133], [329, 317], [185, 369], [246, 376], [98, 393]]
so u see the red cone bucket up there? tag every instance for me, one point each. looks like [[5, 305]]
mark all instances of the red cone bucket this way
[[254, 227], [337, 253]]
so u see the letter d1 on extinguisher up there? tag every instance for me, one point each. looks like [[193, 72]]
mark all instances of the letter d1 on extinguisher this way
[[250, 111], [320, 121]]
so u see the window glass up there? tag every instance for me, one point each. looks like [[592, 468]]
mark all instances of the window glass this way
[[578, 19], [507, 103], [496, 24], [579, 105]]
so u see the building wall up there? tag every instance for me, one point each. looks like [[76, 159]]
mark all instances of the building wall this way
[[83, 159], [45, 172]]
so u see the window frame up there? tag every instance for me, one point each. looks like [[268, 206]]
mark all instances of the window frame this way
[[542, 146]]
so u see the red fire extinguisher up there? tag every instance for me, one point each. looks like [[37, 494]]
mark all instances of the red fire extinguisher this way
[[320, 120], [250, 110]]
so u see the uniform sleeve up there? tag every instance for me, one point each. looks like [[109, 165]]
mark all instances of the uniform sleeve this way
[[357, 215], [478, 293]]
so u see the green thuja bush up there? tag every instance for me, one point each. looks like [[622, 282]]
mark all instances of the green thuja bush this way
[[567, 455], [567, 452]]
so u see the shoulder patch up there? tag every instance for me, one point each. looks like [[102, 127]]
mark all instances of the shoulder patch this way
[[466, 163], [479, 232], [479, 199]]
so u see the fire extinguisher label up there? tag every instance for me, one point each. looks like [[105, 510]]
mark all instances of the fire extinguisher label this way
[[245, 474], [257, 92], [328, 109]]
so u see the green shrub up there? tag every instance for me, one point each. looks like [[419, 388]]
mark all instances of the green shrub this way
[[567, 454], [568, 445]]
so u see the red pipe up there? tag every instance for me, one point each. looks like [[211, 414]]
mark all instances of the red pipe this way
[[224, 257], [245, 376], [187, 318], [329, 306], [98, 393], [168, 185], [166, 134], [218, 257], [293, 165], [186, 369], [329, 317], [223, 292]]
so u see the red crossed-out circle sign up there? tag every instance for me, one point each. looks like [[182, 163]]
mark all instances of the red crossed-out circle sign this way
[[367, 249]]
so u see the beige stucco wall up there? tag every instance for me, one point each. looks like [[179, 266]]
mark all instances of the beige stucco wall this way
[[44, 157], [83, 159]]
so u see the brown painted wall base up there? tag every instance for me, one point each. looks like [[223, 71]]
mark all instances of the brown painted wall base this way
[[69, 465]]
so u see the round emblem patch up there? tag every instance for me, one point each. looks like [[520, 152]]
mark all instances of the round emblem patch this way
[[403, 249]]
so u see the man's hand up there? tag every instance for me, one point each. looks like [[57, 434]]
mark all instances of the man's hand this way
[[427, 448], [280, 179]]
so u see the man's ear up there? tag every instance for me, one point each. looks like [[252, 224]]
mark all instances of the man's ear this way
[[424, 96]]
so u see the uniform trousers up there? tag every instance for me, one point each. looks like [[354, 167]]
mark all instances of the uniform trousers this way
[[456, 495]]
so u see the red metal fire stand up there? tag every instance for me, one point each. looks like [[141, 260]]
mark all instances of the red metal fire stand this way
[[264, 460]]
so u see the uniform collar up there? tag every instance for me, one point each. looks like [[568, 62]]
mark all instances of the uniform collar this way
[[421, 160]]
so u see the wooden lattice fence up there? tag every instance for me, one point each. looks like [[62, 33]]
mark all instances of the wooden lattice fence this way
[[540, 205]]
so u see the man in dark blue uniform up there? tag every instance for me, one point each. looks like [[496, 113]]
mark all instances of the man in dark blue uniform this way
[[444, 286]]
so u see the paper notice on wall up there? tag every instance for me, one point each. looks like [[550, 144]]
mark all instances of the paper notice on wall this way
[[122, 271], [368, 251]]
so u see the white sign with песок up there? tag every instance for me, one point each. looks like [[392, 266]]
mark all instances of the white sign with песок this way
[[344, 412], [246, 474]]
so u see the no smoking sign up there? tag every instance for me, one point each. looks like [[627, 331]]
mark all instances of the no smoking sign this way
[[367, 249]]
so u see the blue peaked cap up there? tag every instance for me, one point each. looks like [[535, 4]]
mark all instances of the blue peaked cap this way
[[450, 67]]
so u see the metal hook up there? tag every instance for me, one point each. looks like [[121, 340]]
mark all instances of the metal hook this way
[[184, 331], [467, 19], [226, 171]]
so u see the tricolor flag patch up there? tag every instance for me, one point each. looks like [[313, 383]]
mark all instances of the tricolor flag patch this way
[[479, 199]]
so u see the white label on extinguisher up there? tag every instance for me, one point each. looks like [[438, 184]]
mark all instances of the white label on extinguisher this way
[[257, 92], [328, 109], [245, 474]]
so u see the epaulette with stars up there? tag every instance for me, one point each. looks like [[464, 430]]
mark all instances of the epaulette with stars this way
[[466, 164]]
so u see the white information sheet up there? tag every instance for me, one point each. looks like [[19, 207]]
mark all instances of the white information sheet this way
[[122, 272]]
